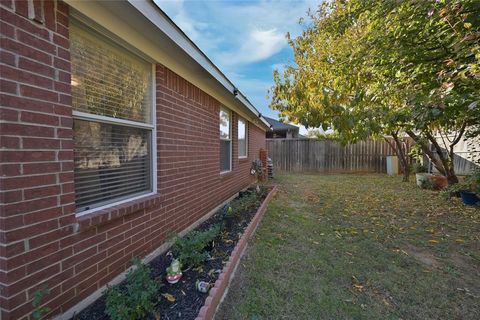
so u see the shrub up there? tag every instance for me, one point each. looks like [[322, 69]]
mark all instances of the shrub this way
[[451, 190], [471, 183], [248, 200], [417, 167], [190, 249], [136, 298]]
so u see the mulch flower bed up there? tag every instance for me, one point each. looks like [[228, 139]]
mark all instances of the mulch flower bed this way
[[182, 300]]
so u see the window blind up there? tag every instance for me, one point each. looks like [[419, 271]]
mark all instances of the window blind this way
[[225, 141], [112, 159], [107, 79], [111, 162]]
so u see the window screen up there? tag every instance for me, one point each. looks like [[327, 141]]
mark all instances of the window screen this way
[[111, 96]]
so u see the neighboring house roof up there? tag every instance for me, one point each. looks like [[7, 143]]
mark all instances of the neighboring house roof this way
[[280, 126], [177, 50]]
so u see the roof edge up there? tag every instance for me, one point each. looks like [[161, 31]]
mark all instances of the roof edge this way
[[170, 28]]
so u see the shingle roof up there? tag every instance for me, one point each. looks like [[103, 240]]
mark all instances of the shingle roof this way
[[280, 126]]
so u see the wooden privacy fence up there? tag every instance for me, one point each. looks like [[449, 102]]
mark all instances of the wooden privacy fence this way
[[329, 156]]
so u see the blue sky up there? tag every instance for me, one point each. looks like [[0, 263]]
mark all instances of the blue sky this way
[[245, 39]]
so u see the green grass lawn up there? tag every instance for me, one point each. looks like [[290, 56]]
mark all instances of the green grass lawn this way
[[359, 246]]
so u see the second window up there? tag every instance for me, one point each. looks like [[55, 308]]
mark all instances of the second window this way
[[242, 138]]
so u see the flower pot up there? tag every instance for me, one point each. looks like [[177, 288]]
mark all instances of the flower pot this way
[[422, 178], [174, 278], [469, 197], [438, 182]]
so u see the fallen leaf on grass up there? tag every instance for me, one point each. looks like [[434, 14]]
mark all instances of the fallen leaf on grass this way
[[433, 241], [459, 241], [169, 297], [359, 287], [357, 284]]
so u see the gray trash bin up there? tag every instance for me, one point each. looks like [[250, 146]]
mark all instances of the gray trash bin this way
[[392, 165]]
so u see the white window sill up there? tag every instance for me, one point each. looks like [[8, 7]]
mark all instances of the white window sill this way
[[113, 204]]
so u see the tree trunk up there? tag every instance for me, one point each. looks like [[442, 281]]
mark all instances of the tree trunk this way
[[425, 148], [403, 158], [447, 162], [397, 148], [443, 165]]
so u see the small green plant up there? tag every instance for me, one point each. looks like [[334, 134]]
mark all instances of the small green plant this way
[[245, 203], [136, 298], [417, 167], [416, 154], [428, 184], [37, 297], [452, 189], [190, 249], [471, 183]]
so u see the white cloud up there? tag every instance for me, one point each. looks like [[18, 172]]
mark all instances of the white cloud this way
[[190, 26], [258, 45], [196, 29], [237, 33]]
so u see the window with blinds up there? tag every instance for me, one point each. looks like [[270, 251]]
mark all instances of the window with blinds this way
[[242, 138], [225, 141], [113, 127]]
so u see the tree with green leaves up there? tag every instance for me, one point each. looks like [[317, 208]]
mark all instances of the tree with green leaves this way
[[374, 68]]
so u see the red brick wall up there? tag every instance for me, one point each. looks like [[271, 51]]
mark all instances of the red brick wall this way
[[41, 240]]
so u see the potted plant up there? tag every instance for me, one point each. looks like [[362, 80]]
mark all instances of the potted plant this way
[[174, 272], [468, 189], [419, 168], [471, 188], [469, 197], [421, 175]]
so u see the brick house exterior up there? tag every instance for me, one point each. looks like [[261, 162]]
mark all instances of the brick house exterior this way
[[43, 242]]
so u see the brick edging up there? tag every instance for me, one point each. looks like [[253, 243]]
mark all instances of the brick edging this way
[[216, 293]]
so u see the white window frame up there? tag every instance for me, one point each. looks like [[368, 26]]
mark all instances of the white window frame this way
[[229, 134], [246, 138], [152, 126]]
